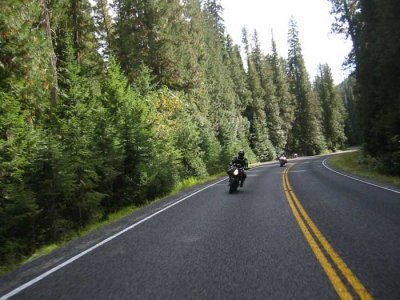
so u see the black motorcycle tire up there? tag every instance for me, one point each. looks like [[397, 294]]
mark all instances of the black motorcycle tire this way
[[233, 186]]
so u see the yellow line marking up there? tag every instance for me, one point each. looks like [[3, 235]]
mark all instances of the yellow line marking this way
[[329, 270], [347, 273]]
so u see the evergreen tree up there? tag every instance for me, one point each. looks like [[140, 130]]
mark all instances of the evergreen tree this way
[[348, 22], [152, 33], [333, 114], [243, 96], [131, 34], [46, 23], [18, 209], [284, 97], [238, 75], [215, 11], [76, 128], [49, 182], [255, 112], [104, 27], [273, 120], [24, 52], [24, 98], [196, 57], [372, 28], [220, 85], [350, 101], [378, 77], [73, 20], [306, 136], [132, 137]]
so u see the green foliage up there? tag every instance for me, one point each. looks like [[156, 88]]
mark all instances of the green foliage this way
[[104, 29], [361, 164], [271, 107], [18, 210], [350, 97], [76, 127], [259, 136], [283, 96], [24, 56], [97, 116], [373, 30], [73, 25], [131, 139], [333, 113], [378, 78], [306, 136]]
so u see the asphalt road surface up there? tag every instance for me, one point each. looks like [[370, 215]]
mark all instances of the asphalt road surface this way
[[297, 232]]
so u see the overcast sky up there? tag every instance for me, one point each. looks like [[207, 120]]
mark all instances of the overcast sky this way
[[314, 25]]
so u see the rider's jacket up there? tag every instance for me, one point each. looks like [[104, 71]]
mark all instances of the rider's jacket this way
[[242, 161]]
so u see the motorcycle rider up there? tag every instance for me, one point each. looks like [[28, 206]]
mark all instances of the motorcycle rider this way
[[282, 156], [241, 160]]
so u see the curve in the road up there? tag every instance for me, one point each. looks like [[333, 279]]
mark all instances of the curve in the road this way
[[354, 178], [309, 229]]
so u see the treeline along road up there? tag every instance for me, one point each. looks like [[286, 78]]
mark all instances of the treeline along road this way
[[301, 231]]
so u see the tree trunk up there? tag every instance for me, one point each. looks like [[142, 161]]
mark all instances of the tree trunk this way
[[45, 21]]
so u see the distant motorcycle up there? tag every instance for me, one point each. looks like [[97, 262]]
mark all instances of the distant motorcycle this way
[[235, 175], [282, 160]]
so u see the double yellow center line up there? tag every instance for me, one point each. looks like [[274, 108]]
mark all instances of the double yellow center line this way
[[322, 249]]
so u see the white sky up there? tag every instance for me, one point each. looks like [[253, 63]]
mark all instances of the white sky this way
[[319, 45]]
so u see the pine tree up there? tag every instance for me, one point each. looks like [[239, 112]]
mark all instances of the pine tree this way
[[215, 11], [169, 47], [350, 101], [306, 136], [255, 112], [151, 33], [18, 209], [132, 136], [378, 78], [24, 98], [238, 75], [74, 18], [24, 56], [284, 98], [243, 96], [372, 29], [104, 27], [46, 23], [348, 22], [273, 120], [76, 125], [332, 109], [220, 84]]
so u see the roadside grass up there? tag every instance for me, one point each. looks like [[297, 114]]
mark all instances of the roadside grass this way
[[192, 181], [358, 164], [47, 249]]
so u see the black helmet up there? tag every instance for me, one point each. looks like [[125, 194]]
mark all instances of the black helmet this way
[[241, 154]]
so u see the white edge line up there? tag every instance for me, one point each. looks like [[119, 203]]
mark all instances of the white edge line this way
[[72, 259], [354, 178]]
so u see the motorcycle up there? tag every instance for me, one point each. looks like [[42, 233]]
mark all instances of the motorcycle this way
[[282, 160], [235, 175]]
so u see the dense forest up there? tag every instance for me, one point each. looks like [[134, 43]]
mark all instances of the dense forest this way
[[100, 111], [372, 93]]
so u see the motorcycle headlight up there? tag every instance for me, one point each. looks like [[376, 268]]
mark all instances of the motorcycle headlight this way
[[236, 172]]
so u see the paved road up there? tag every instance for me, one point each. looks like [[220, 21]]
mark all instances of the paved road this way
[[300, 232]]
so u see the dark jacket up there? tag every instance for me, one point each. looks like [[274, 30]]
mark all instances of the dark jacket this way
[[241, 161]]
